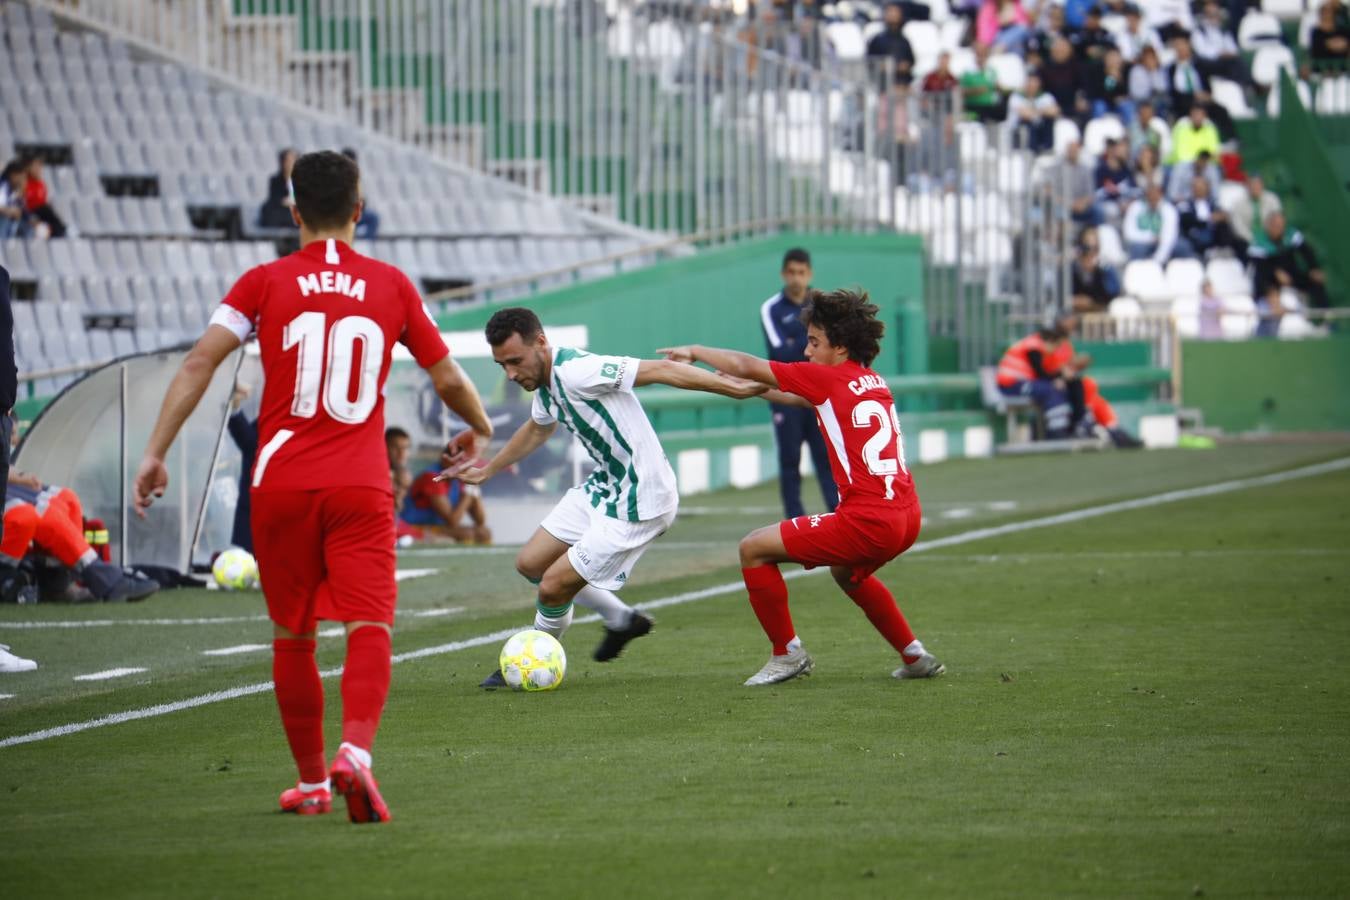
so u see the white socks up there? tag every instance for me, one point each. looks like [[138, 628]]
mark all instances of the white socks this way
[[794, 645], [555, 625], [85, 559], [614, 611], [308, 788]]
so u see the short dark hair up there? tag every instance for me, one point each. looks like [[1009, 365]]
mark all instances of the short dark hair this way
[[509, 321], [796, 254], [849, 320], [395, 432], [327, 189]]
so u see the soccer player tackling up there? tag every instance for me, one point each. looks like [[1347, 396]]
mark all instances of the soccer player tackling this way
[[585, 549], [327, 319], [878, 515]]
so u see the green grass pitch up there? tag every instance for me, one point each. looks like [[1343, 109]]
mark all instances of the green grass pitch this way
[[1150, 703]]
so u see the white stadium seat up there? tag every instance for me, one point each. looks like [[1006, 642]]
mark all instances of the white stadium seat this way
[[1009, 70], [1268, 62], [1099, 131], [1256, 29], [1184, 277], [1144, 279], [1230, 96], [1228, 277]]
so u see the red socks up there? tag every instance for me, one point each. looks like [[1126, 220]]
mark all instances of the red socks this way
[[365, 684], [300, 698], [769, 598], [876, 601]]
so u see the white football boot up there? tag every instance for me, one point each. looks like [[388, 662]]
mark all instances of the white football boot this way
[[926, 666], [11, 663], [782, 668]]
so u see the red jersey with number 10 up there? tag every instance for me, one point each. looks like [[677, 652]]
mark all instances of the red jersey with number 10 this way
[[857, 415], [327, 319]]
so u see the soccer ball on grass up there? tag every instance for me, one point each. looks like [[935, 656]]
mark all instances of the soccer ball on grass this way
[[533, 661], [235, 570]]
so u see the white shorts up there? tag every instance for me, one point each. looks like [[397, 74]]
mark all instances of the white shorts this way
[[601, 549]]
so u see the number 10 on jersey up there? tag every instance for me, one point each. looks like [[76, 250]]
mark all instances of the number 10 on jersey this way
[[330, 374]]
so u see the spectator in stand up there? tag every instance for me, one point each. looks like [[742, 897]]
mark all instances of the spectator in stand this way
[[1210, 313], [1204, 227], [1142, 131], [35, 200], [1216, 52], [1148, 169], [1078, 13], [1091, 41], [14, 219], [940, 80], [1251, 210], [979, 87], [1003, 26], [1071, 180], [1094, 285], [1148, 82], [1171, 18], [1183, 175], [1031, 116], [1151, 227], [368, 226], [1137, 35], [1330, 46], [447, 509], [276, 209], [1189, 87], [891, 44], [1114, 181], [1051, 25], [244, 432], [1282, 258], [1109, 88], [1193, 134], [1063, 78]]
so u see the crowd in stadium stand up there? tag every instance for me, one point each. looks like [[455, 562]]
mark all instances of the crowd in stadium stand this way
[[1154, 70], [25, 209]]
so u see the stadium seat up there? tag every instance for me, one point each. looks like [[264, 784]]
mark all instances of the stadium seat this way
[[1126, 308], [847, 40], [1258, 29], [1333, 96], [1099, 131], [1282, 9], [1239, 317], [1268, 62], [1231, 96], [924, 37], [1145, 280], [1110, 247], [1184, 277], [1009, 70], [1066, 132], [1228, 277], [1186, 312], [1273, 98]]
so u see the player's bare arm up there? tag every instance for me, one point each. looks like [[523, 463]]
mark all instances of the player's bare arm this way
[[528, 438], [732, 362], [457, 391], [691, 378], [185, 392]]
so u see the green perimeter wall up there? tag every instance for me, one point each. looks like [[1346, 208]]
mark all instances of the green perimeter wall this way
[[714, 297], [1269, 385]]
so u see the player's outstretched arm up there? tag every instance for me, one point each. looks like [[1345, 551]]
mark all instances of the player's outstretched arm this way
[[185, 392], [692, 378], [528, 438], [457, 391], [732, 362]]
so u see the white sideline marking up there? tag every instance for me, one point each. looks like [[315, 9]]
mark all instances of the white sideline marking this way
[[6, 696], [237, 648], [1129, 554], [978, 534], [110, 673], [221, 620], [405, 574]]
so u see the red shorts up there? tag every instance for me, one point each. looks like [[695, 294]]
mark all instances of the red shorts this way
[[863, 538], [325, 554]]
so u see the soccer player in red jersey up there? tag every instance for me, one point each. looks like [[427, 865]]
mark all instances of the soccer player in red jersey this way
[[878, 515], [327, 319]]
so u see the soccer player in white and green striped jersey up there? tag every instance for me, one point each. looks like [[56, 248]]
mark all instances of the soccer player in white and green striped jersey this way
[[585, 549]]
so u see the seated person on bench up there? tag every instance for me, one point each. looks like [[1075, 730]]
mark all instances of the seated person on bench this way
[[1044, 367]]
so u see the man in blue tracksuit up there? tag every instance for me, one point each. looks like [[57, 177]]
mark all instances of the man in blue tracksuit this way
[[785, 335]]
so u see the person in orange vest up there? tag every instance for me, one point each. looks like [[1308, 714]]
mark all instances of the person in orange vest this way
[[1044, 367]]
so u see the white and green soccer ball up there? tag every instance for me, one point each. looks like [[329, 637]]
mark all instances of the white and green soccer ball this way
[[235, 570], [533, 661]]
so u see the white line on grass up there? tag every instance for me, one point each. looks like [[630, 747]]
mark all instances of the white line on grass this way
[[6, 696], [966, 537], [219, 620], [110, 673], [236, 649], [1129, 554]]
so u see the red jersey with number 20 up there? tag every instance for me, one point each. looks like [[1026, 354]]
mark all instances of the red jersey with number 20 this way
[[327, 319], [857, 415]]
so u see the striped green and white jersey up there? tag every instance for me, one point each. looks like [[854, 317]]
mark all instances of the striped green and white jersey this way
[[592, 396]]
